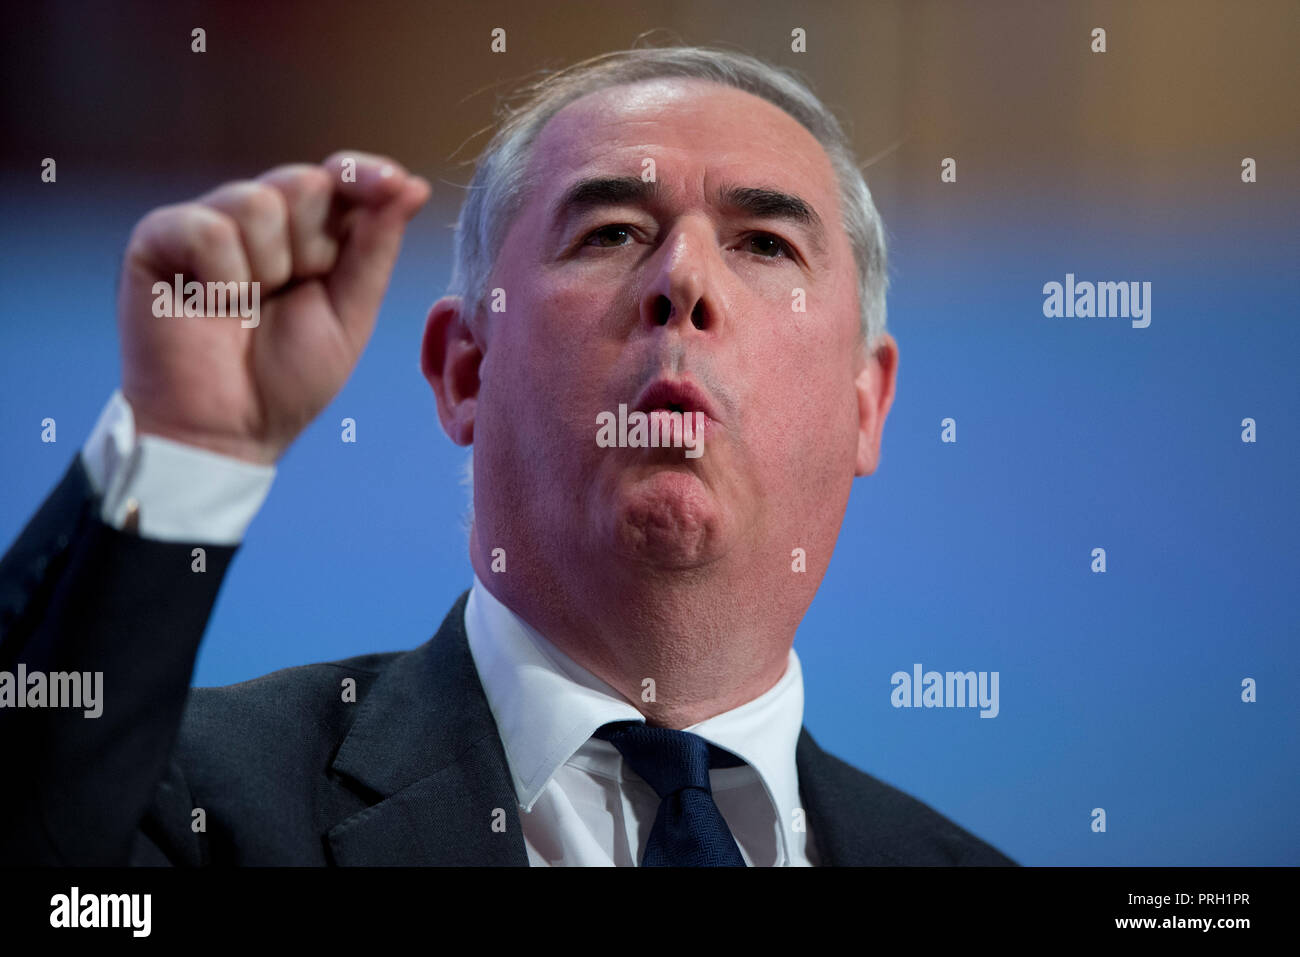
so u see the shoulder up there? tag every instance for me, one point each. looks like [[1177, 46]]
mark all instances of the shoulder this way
[[288, 720], [859, 819]]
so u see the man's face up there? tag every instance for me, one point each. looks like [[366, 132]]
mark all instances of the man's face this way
[[688, 287]]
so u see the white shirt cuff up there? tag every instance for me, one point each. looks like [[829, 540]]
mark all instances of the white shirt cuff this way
[[184, 493]]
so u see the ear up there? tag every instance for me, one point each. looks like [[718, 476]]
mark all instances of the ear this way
[[875, 388], [450, 355]]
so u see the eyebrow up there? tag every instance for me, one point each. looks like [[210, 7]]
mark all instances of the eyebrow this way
[[764, 203], [759, 201], [605, 191]]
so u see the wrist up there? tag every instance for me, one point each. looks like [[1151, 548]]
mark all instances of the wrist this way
[[246, 450]]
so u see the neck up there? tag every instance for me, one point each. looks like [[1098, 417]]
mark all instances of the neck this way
[[679, 645]]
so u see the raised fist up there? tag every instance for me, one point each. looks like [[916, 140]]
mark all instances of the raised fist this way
[[319, 242]]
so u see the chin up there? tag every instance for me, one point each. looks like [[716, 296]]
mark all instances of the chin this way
[[668, 519]]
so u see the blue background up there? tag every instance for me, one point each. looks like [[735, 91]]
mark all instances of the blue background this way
[[1119, 691]]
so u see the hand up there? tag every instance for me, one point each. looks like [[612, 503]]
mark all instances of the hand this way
[[322, 250]]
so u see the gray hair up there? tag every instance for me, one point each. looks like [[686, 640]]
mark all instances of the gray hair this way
[[500, 185]]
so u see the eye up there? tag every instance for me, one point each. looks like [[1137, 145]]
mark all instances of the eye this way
[[768, 246], [615, 231]]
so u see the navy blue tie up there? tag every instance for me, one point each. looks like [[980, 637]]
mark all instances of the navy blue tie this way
[[688, 830]]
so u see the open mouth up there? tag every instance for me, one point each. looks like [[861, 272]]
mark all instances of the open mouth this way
[[674, 396]]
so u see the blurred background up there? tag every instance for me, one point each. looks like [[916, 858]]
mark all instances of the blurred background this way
[[1119, 690]]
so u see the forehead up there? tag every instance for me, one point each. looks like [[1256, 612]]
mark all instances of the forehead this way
[[695, 130]]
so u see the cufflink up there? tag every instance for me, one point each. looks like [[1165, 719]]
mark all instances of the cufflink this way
[[131, 523]]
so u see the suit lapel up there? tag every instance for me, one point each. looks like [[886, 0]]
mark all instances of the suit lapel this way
[[843, 808], [426, 743], [425, 740]]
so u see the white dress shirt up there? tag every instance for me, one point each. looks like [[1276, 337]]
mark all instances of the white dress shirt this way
[[184, 493], [579, 804]]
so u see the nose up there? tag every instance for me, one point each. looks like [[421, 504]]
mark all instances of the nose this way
[[683, 287]]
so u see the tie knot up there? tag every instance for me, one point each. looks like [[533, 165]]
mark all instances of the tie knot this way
[[667, 760], [688, 830]]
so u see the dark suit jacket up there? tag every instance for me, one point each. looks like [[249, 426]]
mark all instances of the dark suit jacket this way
[[284, 769]]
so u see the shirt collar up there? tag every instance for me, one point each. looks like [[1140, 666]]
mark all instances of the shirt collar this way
[[547, 706]]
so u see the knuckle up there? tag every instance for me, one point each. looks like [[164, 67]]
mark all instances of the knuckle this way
[[307, 190], [210, 228], [285, 171], [293, 177], [314, 180], [157, 222], [259, 206]]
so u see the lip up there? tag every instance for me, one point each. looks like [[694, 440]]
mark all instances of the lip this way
[[663, 393]]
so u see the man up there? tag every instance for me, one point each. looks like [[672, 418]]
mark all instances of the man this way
[[674, 234]]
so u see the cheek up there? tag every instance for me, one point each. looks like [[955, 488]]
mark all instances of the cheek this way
[[579, 321], [542, 373], [812, 403], [569, 300]]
